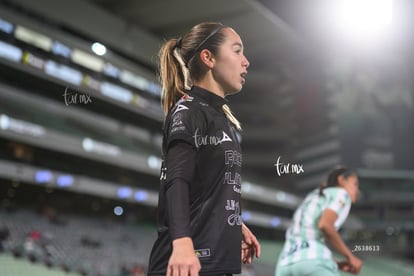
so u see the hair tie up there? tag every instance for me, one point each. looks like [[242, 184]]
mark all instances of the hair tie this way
[[178, 42]]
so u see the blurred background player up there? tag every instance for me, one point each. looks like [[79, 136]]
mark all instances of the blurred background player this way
[[316, 220]]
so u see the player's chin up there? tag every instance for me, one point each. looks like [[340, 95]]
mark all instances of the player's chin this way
[[235, 89]]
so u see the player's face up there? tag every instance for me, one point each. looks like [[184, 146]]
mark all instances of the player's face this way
[[230, 69], [351, 184]]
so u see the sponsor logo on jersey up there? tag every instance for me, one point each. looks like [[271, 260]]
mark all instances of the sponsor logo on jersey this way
[[179, 108], [177, 120], [202, 253], [234, 207], [200, 140]]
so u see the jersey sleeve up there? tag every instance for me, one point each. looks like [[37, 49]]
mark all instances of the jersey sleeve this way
[[339, 201], [185, 124], [180, 174]]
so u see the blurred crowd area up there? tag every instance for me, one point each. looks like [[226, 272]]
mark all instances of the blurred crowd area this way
[[79, 244], [87, 246]]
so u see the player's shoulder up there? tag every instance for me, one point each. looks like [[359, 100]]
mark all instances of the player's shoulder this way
[[184, 109], [187, 105], [186, 116]]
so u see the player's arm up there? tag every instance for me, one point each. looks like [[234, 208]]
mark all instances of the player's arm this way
[[327, 226], [180, 172]]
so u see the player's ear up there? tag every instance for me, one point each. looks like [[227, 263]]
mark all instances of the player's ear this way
[[207, 58]]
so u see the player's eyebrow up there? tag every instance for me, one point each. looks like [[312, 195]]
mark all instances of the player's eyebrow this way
[[237, 44]]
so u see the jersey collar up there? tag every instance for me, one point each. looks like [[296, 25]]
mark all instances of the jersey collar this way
[[209, 97]]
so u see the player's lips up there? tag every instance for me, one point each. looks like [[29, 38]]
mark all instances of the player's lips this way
[[243, 75]]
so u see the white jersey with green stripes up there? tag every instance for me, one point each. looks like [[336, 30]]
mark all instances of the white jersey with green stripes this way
[[304, 240]]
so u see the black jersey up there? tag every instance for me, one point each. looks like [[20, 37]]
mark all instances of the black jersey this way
[[214, 188]]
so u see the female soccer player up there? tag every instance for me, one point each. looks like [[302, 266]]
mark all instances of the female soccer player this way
[[200, 231], [317, 219]]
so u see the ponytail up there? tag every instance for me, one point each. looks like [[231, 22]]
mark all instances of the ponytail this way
[[321, 188], [173, 75]]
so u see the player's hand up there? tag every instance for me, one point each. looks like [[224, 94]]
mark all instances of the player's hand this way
[[183, 260], [344, 266], [250, 246], [355, 263]]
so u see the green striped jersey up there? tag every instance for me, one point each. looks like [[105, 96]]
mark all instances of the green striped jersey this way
[[304, 240]]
